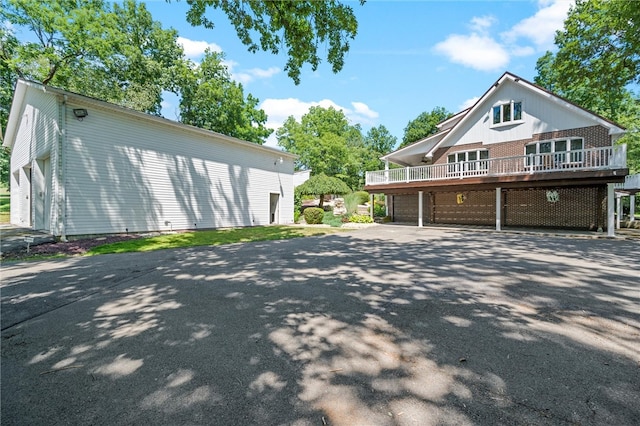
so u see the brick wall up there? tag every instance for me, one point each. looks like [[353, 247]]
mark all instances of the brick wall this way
[[594, 137], [405, 208], [575, 208], [465, 207]]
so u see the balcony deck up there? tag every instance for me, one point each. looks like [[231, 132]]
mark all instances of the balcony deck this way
[[523, 167]]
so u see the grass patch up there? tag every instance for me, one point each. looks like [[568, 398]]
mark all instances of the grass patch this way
[[331, 220], [210, 238], [5, 207]]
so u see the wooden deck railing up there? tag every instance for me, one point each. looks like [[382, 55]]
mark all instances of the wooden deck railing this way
[[586, 159]]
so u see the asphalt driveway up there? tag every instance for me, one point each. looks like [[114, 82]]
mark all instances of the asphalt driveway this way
[[381, 326]]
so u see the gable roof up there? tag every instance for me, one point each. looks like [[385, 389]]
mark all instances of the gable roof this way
[[23, 85], [461, 117]]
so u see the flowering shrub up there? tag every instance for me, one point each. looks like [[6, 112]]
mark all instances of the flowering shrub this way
[[360, 218]]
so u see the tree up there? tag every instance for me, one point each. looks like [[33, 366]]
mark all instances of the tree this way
[[120, 55], [598, 58], [599, 46], [320, 185], [302, 26], [325, 143], [8, 45], [424, 125], [212, 100], [377, 143]]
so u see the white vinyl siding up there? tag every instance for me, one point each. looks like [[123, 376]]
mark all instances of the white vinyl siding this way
[[538, 115], [126, 174], [36, 138]]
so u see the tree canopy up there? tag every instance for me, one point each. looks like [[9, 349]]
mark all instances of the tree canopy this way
[[117, 52], [377, 142], [598, 58], [320, 185], [212, 100], [423, 125], [303, 28], [325, 143]]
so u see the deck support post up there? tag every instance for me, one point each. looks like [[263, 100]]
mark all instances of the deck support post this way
[[611, 231], [632, 208], [420, 199], [619, 210], [371, 205], [498, 209]]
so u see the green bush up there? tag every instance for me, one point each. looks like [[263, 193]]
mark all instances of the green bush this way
[[379, 210], [313, 215], [297, 206], [308, 197], [332, 220], [360, 218], [363, 197]]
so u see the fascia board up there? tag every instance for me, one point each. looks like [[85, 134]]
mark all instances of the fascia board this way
[[19, 94]]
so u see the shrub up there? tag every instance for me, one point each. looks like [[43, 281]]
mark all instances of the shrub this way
[[379, 210], [313, 215], [360, 218], [363, 197], [332, 220], [297, 206], [351, 202]]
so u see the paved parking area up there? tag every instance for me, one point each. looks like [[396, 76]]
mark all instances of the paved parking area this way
[[381, 326]]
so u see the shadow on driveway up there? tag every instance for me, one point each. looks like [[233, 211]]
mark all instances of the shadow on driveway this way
[[389, 325]]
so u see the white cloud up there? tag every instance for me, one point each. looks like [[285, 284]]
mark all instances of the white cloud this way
[[262, 73], [521, 50], [194, 49], [482, 23], [278, 110], [468, 103], [363, 109], [476, 51], [247, 76], [540, 28], [482, 51]]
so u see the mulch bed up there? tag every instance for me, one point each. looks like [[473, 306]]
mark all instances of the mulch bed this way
[[69, 248]]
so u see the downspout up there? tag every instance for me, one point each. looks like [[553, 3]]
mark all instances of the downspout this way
[[62, 197]]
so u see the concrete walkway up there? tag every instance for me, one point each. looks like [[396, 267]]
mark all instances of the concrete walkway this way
[[389, 325]]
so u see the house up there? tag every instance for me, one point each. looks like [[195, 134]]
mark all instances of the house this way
[[520, 156], [82, 166]]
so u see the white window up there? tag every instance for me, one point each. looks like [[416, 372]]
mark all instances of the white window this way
[[468, 161], [507, 112], [555, 153]]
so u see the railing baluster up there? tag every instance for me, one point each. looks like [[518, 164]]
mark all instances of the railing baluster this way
[[586, 159]]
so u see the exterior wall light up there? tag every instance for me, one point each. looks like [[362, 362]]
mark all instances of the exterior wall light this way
[[80, 113]]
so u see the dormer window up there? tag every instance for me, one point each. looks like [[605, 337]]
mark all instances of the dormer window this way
[[507, 112]]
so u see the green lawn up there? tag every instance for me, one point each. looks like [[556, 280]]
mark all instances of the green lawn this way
[[4, 205], [211, 238]]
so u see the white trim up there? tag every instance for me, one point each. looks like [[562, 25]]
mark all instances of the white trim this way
[[420, 208], [611, 232], [498, 209], [511, 122], [75, 98], [613, 129]]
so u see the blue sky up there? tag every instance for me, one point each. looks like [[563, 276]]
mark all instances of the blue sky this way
[[408, 57]]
